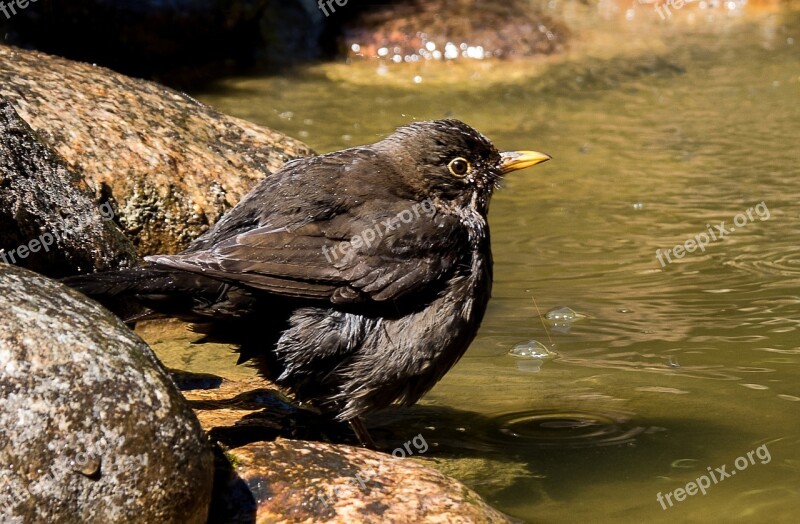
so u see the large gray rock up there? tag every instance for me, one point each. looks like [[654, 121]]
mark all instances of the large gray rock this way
[[172, 164], [91, 427]]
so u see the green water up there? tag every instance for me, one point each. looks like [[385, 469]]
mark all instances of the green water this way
[[657, 129]]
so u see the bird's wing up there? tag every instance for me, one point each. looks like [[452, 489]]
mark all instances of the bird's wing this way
[[310, 262]]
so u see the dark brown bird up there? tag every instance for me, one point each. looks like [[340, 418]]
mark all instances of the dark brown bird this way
[[355, 279]]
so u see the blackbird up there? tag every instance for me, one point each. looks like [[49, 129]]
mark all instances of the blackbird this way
[[355, 279]]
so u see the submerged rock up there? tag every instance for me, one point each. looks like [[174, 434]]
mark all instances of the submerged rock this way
[[91, 427], [172, 164], [452, 29], [49, 221]]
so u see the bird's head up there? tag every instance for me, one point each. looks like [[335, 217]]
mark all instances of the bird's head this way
[[453, 161]]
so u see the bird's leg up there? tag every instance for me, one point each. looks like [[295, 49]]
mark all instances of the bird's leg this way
[[361, 432]]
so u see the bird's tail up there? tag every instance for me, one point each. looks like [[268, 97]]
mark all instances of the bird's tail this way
[[131, 292]]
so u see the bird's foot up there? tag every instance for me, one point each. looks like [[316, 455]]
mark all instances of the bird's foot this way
[[363, 435]]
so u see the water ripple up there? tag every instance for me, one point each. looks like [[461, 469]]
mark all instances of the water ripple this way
[[565, 429]]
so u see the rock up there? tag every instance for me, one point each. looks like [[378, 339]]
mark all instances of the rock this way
[[91, 427], [265, 477], [49, 221], [172, 164], [416, 30], [312, 482], [235, 413]]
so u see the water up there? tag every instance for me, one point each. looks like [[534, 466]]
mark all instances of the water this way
[[659, 130]]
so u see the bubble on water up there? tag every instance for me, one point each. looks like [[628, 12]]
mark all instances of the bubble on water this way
[[532, 349], [564, 314]]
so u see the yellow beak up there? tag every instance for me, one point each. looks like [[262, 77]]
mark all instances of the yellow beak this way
[[515, 160]]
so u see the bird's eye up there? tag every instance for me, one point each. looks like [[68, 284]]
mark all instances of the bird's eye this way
[[459, 167]]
